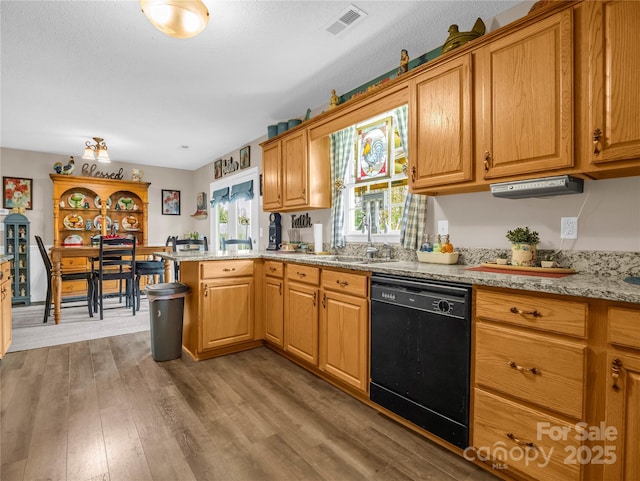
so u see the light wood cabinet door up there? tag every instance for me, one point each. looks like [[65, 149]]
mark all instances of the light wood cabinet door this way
[[524, 114], [440, 122], [343, 339], [294, 169], [227, 312], [623, 413], [274, 310], [613, 97], [271, 177], [301, 321], [5, 315]]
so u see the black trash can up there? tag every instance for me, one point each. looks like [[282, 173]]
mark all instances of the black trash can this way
[[166, 308]]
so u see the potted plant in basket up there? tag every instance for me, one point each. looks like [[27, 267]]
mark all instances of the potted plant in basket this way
[[548, 261], [502, 259], [523, 246]]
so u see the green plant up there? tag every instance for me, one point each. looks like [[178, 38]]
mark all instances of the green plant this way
[[503, 255], [523, 235]]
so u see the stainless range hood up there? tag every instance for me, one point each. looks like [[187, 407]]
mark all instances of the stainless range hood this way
[[542, 187]]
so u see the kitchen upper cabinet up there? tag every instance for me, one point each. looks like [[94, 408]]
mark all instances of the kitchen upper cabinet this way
[[294, 165], [524, 100], [611, 131], [271, 178], [301, 312], [440, 126], [296, 173]]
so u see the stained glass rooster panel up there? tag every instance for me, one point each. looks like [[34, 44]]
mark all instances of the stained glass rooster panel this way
[[373, 150]]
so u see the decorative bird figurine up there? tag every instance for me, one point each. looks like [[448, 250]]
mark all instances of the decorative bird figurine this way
[[65, 169], [457, 38]]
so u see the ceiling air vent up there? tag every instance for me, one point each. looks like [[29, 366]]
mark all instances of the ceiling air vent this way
[[346, 18]]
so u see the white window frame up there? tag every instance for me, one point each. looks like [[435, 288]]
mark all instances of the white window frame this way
[[349, 198], [250, 174]]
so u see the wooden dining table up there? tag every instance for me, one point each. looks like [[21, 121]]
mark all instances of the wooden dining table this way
[[59, 253]]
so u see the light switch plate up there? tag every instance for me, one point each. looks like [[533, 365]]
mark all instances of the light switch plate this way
[[443, 227]]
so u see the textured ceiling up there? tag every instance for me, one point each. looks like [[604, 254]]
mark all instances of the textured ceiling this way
[[72, 70]]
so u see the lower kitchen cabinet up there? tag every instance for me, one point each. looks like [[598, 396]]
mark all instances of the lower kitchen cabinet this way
[[530, 371], [219, 311], [301, 312], [344, 328], [622, 388], [274, 302], [5, 308]]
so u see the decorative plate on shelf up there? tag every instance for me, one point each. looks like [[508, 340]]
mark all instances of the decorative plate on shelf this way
[[97, 222], [73, 222], [125, 203], [97, 203], [77, 200], [73, 240], [130, 223]]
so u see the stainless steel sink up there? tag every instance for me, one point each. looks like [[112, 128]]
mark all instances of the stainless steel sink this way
[[355, 259]]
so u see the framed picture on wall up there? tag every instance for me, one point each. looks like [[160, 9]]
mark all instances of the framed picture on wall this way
[[17, 192], [217, 169], [170, 202], [245, 160], [373, 150]]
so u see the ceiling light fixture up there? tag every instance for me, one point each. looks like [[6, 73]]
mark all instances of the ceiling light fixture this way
[[176, 18], [96, 152]]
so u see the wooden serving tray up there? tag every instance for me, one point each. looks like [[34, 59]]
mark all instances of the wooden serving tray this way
[[556, 270]]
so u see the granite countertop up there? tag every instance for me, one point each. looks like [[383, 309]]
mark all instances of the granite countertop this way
[[612, 288]]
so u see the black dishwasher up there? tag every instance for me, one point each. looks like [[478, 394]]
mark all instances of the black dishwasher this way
[[420, 353]]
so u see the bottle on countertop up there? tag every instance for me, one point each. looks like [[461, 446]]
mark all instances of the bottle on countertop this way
[[447, 247], [426, 245], [437, 247]]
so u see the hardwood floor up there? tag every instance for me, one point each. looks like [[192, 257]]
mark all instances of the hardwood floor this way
[[104, 410]]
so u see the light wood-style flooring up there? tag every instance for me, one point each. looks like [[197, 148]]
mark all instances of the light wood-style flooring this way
[[104, 410]]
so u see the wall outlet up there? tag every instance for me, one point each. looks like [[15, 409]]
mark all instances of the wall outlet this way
[[443, 227], [568, 227]]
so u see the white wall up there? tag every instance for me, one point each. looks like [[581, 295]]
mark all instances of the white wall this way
[[38, 166], [610, 219]]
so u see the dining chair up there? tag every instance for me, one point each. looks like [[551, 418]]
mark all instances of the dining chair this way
[[116, 261], [153, 267], [188, 243], [241, 243], [70, 276]]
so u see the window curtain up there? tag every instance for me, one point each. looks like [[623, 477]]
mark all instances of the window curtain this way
[[414, 215], [242, 191], [219, 196], [342, 143]]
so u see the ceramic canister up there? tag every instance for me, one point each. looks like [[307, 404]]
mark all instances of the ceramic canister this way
[[293, 122], [282, 127], [272, 130]]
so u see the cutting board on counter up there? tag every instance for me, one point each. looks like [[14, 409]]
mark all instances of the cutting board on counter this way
[[548, 270]]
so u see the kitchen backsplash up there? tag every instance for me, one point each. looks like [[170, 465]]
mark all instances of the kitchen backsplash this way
[[591, 262]]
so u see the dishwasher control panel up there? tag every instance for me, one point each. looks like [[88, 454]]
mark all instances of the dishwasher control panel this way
[[424, 300]]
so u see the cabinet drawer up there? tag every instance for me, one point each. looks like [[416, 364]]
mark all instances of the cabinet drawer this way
[[624, 326], [501, 428], [537, 312], [222, 269], [306, 274], [274, 268], [349, 283], [532, 367], [74, 264]]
